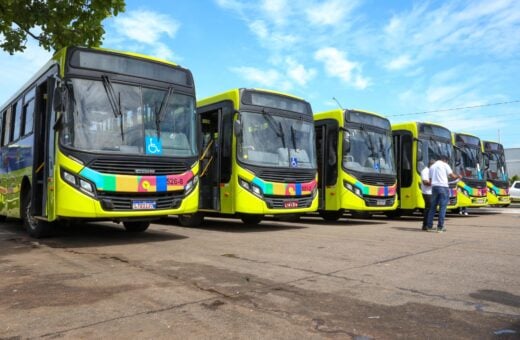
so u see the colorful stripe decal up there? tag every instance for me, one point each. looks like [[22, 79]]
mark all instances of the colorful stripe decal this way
[[499, 191], [374, 190], [126, 183], [475, 192], [285, 189]]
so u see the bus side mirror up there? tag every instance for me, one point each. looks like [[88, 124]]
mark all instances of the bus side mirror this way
[[346, 141], [57, 100], [419, 152], [237, 126]]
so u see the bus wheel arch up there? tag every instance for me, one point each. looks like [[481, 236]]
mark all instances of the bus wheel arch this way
[[331, 215], [251, 219]]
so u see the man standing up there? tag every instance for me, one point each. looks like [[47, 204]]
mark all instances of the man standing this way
[[439, 173], [426, 189]]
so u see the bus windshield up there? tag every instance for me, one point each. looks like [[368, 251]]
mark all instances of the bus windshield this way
[[274, 141], [368, 151], [470, 164], [497, 166], [129, 119], [431, 149]]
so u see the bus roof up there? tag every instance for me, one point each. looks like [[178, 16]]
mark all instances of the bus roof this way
[[235, 95]]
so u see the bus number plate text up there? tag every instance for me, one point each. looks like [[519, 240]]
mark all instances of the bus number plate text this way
[[290, 204], [381, 202], [144, 205]]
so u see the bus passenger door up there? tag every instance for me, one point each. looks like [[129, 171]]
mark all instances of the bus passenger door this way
[[403, 143], [210, 160], [326, 132], [43, 161]]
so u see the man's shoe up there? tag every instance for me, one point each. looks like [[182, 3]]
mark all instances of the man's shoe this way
[[466, 213], [441, 230], [431, 230], [424, 228]]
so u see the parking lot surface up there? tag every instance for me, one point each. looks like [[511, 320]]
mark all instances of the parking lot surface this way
[[356, 278]]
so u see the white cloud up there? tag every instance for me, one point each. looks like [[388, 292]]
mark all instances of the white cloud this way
[[143, 31], [268, 78], [145, 26], [276, 10], [330, 12], [298, 73], [337, 65], [399, 63]]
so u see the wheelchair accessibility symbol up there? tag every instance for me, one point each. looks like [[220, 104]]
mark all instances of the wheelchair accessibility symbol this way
[[294, 162], [153, 146]]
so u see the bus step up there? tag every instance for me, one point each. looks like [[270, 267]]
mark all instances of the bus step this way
[[41, 218]]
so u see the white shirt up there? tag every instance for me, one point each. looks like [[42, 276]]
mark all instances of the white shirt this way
[[439, 173], [425, 176]]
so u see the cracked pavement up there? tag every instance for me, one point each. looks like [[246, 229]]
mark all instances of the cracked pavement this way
[[354, 279]]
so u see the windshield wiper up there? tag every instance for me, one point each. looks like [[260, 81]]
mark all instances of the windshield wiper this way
[[293, 138], [278, 130], [159, 114], [115, 102]]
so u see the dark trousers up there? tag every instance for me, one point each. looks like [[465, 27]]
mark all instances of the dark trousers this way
[[427, 203], [440, 197]]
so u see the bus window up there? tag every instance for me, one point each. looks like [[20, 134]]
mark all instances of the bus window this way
[[28, 116], [7, 127], [17, 120], [2, 116]]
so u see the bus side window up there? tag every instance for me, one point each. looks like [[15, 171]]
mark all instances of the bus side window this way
[[28, 117], [2, 118], [28, 112], [7, 126], [17, 120]]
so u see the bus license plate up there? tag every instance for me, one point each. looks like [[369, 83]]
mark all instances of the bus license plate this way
[[381, 202], [479, 200], [290, 204], [144, 205], [503, 199]]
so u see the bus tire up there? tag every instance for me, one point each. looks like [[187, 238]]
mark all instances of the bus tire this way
[[251, 219], [35, 228], [136, 226], [394, 214], [191, 220], [331, 215]]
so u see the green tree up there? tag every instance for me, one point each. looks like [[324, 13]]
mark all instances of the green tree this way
[[54, 23]]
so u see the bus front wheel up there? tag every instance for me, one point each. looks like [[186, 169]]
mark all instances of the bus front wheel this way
[[251, 219], [191, 220], [35, 228], [136, 227]]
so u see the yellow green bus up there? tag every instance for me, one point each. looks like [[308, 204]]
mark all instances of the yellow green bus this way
[[258, 156], [356, 168], [99, 135], [497, 179], [415, 144], [469, 162]]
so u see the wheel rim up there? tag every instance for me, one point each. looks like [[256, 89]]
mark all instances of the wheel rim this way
[[31, 221]]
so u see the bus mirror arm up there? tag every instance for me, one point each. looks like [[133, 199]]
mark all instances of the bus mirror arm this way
[[58, 124], [57, 100], [237, 126]]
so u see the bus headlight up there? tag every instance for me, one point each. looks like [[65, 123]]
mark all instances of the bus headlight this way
[[463, 191], [252, 188], [86, 186], [192, 183], [353, 189], [79, 183], [68, 177]]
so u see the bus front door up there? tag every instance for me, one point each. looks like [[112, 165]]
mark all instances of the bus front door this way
[[43, 148], [210, 160], [326, 132]]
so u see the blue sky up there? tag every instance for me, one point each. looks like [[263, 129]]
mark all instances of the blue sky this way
[[390, 57]]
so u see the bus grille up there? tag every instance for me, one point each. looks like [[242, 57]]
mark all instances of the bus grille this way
[[132, 167], [279, 203], [377, 180], [123, 201], [379, 201], [285, 176]]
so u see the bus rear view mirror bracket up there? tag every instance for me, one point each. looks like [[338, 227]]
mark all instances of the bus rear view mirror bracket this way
[[237, 126]]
